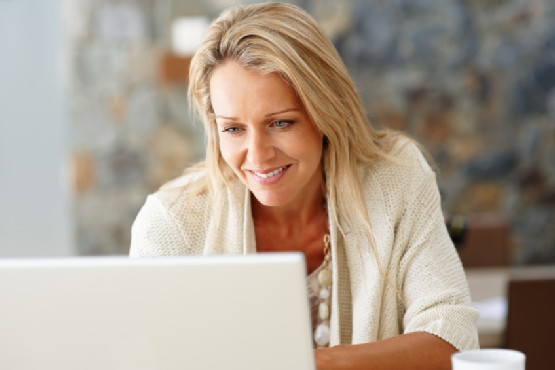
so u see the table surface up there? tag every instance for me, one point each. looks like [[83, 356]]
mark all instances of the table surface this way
[[489, 283], [486, 284]]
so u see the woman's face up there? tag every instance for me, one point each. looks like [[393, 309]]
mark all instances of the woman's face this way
[[265, 135]]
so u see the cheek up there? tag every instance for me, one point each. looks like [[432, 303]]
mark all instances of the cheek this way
[[312, 148], [316, 155], [229, 152]]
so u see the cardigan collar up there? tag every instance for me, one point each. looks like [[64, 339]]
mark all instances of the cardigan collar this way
[[340, 271]]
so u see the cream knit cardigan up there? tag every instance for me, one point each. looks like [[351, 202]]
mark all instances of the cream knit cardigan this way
[[425, 287]]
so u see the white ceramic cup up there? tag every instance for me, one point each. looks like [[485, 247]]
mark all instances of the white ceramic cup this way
[[488, 359]]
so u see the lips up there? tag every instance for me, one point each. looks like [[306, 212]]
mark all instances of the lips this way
[[269, 176], [266, 175]]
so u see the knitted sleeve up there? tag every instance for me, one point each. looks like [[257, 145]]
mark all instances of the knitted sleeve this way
[[155, 232], [435, 291]]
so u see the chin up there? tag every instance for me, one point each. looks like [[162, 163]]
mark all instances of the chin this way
[[271, 200]]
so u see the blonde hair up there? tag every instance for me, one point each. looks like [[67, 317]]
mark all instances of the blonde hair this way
[[283, 39]]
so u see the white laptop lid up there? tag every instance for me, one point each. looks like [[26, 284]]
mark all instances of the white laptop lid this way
[[220, 312]]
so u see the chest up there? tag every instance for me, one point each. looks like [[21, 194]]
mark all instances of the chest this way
[[309, 242]]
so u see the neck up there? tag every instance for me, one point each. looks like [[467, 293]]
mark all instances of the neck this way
[[298, 213]]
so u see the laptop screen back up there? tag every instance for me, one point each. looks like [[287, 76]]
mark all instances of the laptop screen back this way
[[220, 312]]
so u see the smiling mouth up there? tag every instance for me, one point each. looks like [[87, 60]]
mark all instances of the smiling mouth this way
[[270, 174]]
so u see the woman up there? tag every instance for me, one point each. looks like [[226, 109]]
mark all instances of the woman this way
[[292, 164]]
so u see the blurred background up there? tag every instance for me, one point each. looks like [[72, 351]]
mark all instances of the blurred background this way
[[94, 117]]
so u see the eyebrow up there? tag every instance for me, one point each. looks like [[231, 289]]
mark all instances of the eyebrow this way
[[266, 116]]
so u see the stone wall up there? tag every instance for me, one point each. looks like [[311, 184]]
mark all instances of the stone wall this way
[[473, 81], [130, 132]]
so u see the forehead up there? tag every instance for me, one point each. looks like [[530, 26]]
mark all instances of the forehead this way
[[244, 93]]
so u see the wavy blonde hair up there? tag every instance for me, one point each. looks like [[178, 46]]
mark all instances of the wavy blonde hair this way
[[283, 39]]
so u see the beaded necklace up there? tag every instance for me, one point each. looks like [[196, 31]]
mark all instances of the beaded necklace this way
[[322, 332]]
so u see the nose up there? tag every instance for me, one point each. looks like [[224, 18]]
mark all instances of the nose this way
[[259, 148]]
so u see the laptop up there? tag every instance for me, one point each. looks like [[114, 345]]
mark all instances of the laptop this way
[[219, 312]]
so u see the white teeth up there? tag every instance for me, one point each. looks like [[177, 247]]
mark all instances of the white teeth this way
[[269, 174]]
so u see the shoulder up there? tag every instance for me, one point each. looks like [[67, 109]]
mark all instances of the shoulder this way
[[392, 184], [171, 218], [410, 153], [405, 167], [190, 187]]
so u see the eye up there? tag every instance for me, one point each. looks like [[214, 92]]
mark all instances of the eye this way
[[231, 130], [282, 124]]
